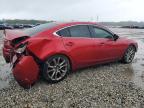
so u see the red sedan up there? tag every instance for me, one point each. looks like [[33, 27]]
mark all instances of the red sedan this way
[[53, 49]]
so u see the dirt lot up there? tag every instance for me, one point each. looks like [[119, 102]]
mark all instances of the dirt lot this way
[[109, 85]]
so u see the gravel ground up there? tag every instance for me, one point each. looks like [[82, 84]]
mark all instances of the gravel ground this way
[[102, 86], [108, 85]]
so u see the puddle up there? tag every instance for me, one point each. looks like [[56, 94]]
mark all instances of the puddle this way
[[137, 67]]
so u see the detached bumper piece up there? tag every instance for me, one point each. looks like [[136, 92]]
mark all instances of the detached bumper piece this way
[[26, 71]]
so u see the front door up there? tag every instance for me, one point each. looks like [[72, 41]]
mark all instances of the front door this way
[[105, 46]]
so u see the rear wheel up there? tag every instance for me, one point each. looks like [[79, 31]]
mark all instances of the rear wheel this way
[[129, 55], [56, 68]]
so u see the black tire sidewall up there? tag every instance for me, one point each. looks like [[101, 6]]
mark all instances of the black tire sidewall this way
[[124, 57], [45, 66]]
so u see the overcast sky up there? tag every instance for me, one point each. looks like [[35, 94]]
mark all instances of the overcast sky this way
[[84, 10]]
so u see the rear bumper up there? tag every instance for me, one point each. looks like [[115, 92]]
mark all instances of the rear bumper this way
[[26, 71]]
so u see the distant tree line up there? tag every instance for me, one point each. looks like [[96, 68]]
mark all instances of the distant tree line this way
[[124, 23], [22, 21]]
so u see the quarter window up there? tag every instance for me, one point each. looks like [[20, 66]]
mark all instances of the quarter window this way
[[64, 33]]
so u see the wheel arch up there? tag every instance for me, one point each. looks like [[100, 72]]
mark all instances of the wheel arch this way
[[133, 46]]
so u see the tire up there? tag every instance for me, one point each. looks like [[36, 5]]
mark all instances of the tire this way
[[56, 68], [129, 55]]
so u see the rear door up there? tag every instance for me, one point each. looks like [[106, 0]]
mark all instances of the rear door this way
[[79, 44]]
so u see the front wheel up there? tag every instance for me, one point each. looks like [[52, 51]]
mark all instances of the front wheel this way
[[56, 68], [129, 55]]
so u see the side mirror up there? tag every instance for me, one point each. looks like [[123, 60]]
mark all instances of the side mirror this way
[[115, 36]]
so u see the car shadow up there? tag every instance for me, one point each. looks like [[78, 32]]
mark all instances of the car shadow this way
[[79, 71]]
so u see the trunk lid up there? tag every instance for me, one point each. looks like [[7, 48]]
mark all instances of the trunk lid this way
[[13, 34], [13, 37]]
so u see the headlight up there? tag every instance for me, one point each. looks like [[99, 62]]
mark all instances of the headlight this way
[[21, 48]]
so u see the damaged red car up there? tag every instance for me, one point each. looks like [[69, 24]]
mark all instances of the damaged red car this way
[[54, 49]]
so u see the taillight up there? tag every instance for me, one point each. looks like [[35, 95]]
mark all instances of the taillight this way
[[21, 48], [7, 43]]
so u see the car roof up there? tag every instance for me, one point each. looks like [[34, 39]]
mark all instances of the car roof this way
[[67, 24], [74, 23], [54, 26]]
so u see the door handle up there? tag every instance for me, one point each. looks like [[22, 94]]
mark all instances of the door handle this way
[[69, 44], [102, 43]]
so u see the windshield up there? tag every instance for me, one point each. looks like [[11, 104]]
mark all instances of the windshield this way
[[40, 28]]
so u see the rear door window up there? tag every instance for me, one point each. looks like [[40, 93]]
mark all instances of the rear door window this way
[[79, 31]]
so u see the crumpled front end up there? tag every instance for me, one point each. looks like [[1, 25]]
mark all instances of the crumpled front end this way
[[26, 71]]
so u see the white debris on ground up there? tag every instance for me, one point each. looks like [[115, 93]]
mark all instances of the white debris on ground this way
[[4, 68]]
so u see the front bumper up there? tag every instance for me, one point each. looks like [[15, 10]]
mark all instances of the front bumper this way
[[26, 71]]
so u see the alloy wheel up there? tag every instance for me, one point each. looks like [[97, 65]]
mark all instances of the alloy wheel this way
[[57, 68], [130, 53]]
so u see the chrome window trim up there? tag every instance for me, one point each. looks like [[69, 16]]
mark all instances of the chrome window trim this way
[[98, 26]]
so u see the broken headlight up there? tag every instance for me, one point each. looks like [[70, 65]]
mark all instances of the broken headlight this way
[[21, 48]]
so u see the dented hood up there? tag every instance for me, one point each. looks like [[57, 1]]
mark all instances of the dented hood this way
[[13, 34]]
